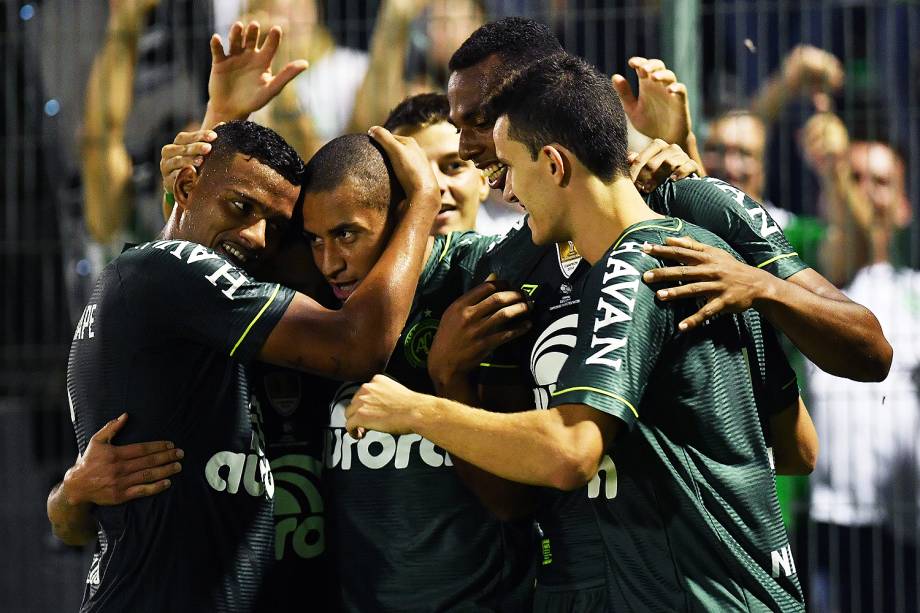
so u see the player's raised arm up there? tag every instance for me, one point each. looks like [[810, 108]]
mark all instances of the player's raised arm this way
[[356, 341], [795, 440]]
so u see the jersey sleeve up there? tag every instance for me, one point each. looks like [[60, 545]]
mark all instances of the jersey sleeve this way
[[778, 380], [472, 256], [621, 332], [735, 217], [178, 286]]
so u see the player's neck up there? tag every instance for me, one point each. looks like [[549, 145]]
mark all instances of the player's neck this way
[[604, 212]]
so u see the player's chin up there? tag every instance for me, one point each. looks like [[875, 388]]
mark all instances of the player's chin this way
[[537, 235]]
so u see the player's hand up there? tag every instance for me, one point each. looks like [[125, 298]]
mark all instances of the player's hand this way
[[187, 149], [410, 165], [475, 325], [383, 405], [661, 110], [242, 81], [108, 474], [656, 163], [706, 272]]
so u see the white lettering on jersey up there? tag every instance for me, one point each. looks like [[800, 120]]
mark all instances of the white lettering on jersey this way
[[783, 564], [224, 273], [199, 253], [377, 449], [753, 209], [226, 471], [614, 306], [85, 324], [610, 480]]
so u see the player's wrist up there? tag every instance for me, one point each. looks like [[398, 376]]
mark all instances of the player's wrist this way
[[768, 292], [69, 493]]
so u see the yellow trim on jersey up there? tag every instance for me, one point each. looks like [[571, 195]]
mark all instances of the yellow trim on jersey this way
[[255, 319], [584, 388], [779, 257], [488, 365], [793, 380], [680, 226], [446, 246]]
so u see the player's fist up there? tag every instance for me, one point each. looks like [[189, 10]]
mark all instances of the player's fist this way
[[381, 404]]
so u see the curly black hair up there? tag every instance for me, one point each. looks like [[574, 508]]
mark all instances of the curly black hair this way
[[255, 141], [516, 40]]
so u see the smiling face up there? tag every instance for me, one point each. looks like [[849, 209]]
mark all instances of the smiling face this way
[[466, 92], [463, 186], [531, 183], [240, 209], [346, 234]]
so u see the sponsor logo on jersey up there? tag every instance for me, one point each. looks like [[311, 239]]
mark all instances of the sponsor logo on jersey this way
[[616, 304], [92, 578], [417, 342], [85, 324], [377, 449], [227, 471], [782, 561], [227, 277], [549, 353], [609, 470], [568, 258], [529, 288], [300, 527], [284, 392], [763, 223]]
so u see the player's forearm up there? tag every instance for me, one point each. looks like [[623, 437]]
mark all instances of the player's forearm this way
[[532, 447], [795, 441], [377, 311], [841, 337], [215, 114], [71, 522]]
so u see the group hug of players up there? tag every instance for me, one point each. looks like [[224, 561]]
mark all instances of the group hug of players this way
[[633, 402]]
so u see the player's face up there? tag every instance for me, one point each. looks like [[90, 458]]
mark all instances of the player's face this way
[[463, 186], [529, 182], [734, 153], [466, 92], [241, 211], [879, 174], [346, 236]]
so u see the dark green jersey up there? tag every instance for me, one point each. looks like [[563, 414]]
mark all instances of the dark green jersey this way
[[166, 337], [408, 534], [690, 519], [294, 407], [734, 217]]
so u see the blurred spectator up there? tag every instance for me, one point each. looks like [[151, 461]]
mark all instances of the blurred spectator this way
[[121, 200], [424, 117], [864, 501], [735, 146], [345, 89]]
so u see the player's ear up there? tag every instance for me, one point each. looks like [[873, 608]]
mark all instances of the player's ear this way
[[185, 183], [558, 161], [483, 187]]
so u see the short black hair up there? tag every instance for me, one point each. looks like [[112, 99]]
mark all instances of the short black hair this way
[[518, 41], [359, 158], [419, 111], [564, 99], [255, 141]]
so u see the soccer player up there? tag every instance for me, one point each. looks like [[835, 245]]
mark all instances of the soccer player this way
[[425, 117], [166, 337], [689, 518], [406, 533]]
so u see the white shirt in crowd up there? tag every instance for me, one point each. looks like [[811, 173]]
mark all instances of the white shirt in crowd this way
[[868, 471]]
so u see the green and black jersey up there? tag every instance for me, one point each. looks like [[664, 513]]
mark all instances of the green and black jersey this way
[[734, 217], [408, 534], [690, 519], [165, 337], [294, 409]]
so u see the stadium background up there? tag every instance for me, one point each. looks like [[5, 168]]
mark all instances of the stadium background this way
[[724, 50]]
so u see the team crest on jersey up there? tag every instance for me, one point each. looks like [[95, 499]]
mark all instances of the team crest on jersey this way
[[283, 391], [569, 259], [418, 340]]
